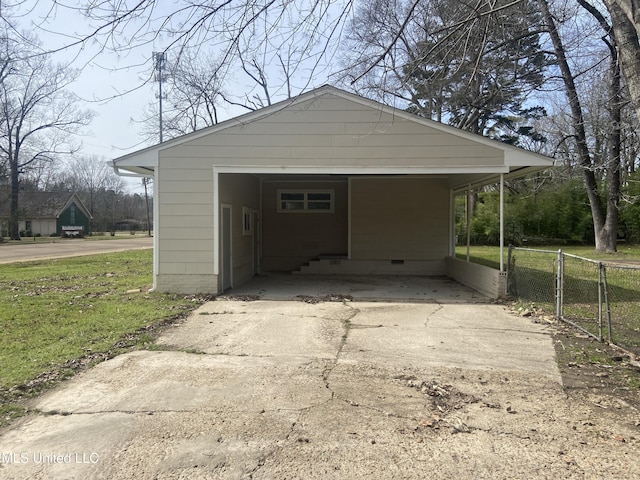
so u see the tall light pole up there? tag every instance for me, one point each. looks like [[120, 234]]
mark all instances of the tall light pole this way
[[158, 60], [158, 64]]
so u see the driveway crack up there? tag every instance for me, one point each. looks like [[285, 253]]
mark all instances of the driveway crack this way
[[346, 325], [440, 307]]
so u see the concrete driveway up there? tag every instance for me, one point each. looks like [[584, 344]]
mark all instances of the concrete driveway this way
[[270, 382], [28, 250]]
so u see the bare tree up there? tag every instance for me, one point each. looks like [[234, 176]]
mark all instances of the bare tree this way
[[38, 115], [605, 221], [625, 21], [191, 97], [91, 175], [194, 94]]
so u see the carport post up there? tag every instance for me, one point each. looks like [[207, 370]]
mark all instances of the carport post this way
[[468, 222], [502, 222]]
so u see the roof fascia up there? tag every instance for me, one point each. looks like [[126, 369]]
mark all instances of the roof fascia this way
[[358, 170]]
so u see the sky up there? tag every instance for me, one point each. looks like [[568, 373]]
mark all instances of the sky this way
[[116, 87], [102, 82]]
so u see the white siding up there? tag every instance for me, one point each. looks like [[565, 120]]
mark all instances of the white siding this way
[[333, 131], [185, 228]]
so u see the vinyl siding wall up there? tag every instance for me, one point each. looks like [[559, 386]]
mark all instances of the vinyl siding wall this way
[[184, 191], [331, 131]]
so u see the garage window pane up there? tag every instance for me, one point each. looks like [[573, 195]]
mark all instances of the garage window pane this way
[[319, 196], [319, 205], [292, 206], [292, 196]]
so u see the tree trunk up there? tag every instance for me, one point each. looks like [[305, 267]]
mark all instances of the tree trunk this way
[[14, 230], [625, 19], [577, 120], [614, 162]]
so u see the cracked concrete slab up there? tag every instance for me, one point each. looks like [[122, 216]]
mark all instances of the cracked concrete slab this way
[[477, 336], [353, 389], [262, 328]]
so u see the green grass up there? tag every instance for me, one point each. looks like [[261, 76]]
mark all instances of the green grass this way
[[490, 255], [535, 282], [58, 311]]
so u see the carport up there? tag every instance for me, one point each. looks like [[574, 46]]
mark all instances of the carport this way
[[324, 183]]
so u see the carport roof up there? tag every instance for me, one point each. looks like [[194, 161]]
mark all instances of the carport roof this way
[[516, 161]]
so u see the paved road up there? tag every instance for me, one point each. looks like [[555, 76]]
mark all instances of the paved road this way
[[26, 251], [272, 389]]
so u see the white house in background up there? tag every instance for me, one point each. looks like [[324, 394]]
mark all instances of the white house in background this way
[[328, 178]]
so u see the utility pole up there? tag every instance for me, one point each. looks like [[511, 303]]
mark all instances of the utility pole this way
[[158, 60], [145, 182], [158, 64]]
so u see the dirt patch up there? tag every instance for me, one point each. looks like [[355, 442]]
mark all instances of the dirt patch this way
[[597, 372], [331, 297], [593, 373]]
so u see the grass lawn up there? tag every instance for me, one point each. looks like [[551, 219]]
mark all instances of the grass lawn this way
[[55, 312], [536, 279], [490, 255]]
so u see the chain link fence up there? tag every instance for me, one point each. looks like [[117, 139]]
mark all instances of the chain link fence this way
[[600, 298]]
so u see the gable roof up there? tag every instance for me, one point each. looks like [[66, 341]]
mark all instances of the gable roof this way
[[514, 161], [40, 204]]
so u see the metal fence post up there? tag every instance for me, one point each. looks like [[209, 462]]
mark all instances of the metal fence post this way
[[600, 288], [606, 302], [510, 271], [559, 284]]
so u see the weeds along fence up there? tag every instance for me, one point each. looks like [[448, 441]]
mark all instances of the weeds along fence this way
[[600, 298]]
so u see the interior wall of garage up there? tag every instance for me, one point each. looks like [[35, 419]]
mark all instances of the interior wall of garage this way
[[240, 191], [289, 240], [399, 218]]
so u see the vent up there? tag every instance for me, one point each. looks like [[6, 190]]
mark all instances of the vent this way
[[397, 262]]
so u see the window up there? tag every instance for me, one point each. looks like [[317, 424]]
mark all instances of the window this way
[[310, 201], [247, 222], [72, 214]]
